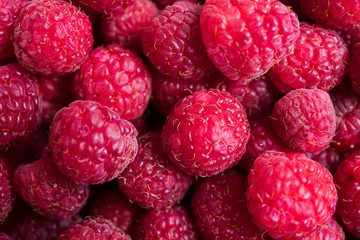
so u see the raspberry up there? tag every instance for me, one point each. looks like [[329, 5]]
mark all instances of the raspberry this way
[[94, 228], [329, 158], [347, 180], [152, 180], [174, 45], [116, 78], [220, 210], [20, 103], [52, 37], [206, 132], [7, 193], [305, 120], [49, 192], [332, 230], [36, 227], [164, 3], [166, 223], [9, 10], [91, 143], [289, 195], [318, 61], [339, 14], [125, 26], [116, 207], [104, 6], [245, 38], [4, 236]]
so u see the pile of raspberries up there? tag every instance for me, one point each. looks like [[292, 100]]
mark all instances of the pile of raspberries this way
[[179, 119]]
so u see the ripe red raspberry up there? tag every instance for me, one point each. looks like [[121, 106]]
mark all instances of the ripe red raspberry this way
[[104, 6], [94, 228], [125, 26], [164, 3], [332, 231], [206, 132], [116, 207], [20, 103], [116, 78], [7, 193], [318, 61], [290, 196], [35, 226], [166, 223], [305, 120], [48, 191], [152, 180], [347, 180], [339, 14], [329, 158], [91, 143], [174, 45], [245, 38], [220, 209], [52, 37], [4, 236], [9, 10]]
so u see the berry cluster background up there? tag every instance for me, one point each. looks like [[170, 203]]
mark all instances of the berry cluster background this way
[[179, 119]]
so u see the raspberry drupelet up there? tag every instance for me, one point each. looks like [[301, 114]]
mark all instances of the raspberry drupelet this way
[[104, 6], [164, 3], [7, 192]]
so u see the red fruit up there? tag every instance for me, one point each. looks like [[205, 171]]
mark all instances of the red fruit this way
[[165, 224], [52, 37], [305, 120], [152, 180], [164, 3], [48, 191], [4, 236], [245, 38], [174, 45], [7, 193], [125, 26], [20, 103], [94, 228], [36, 227], [116, 78], [329, 158], [104, 6], [332, 231], [220, 210], [91, 143], [318, 61], [290, 196], [206, 133]]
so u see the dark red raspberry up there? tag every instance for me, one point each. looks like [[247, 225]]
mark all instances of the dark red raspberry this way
[[206, 132], [290, 196], [165, 224], [347, 180], [37, 227], [4, 236], [220, 209], [20, 103], [174, 45], [305, 120], [245, 38], [116, 78], [152, 180], [104, 6], [91, 143], [52, 37], [7, 193], [329, 158], [125, 26], [339, 14], [94, 228], [332, 231], [116, 207], [48, 191], [318, 61], [353, 36], [9, 10], [164, 3]]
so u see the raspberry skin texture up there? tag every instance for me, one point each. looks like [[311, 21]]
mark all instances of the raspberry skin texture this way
[[116, 78], [152, 180], [164, 3], [166, 223], [7, 193], [91, 143], [48, 191], [338, 14], [94, 228], [173, 42], [125, 26], [329, 158], [104, 6], [206, 133], [20, 103], [245, 38], [52, 37], [305, 120], [318, 61], [290, 196], [332, 231], [220, 210]]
